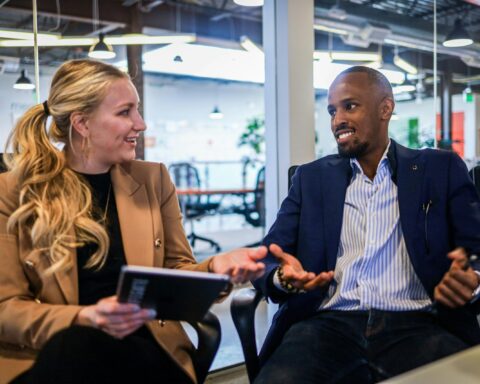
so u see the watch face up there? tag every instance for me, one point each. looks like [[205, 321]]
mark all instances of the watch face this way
[[474, 261]]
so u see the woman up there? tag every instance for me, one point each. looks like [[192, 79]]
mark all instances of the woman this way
[[70, 218]]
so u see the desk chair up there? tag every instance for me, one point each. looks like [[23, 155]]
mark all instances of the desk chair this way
[[242, 308], [254, 211], [209, 335], [194, 207], [3, 167], [475, 175]]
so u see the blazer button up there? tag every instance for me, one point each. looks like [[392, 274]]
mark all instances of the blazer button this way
[[158, 243], [30, 264]]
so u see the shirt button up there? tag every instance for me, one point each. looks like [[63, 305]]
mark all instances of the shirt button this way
[[158, 243]]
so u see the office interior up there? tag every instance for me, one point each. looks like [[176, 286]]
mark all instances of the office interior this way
[[239, 92]]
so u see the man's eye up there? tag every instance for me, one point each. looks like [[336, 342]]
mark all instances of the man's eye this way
[[350, 106], [331, 112]]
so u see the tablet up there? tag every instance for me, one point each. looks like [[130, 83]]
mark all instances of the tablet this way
[[174, 294]]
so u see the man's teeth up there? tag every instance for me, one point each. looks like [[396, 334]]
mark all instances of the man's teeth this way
[[343, 135]]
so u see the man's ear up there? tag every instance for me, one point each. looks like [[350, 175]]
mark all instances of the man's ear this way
[[79, 123], [386, 108]]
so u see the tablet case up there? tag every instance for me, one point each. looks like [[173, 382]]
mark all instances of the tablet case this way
[[173, 293]]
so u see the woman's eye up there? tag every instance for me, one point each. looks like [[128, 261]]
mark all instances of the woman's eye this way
[[124, 112]]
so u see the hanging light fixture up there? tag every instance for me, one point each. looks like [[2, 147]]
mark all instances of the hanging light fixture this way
[[216, 114], [458, 37], [101, 50], [23, 82], [249, 3], [403, 64]]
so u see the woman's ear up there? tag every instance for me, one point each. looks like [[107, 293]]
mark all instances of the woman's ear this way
[[79, 123]]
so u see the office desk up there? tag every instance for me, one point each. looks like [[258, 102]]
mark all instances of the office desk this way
[[197, 191], [461, 368]]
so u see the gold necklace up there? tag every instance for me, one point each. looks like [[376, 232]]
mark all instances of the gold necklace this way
[[105, 211]]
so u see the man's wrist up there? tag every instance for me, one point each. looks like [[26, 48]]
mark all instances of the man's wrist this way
[[476, 291], [281, 283]]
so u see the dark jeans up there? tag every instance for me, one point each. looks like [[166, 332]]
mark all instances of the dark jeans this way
[[357, 347], [87, 355]]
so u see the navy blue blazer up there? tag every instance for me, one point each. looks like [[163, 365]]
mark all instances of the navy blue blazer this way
[[309, 222]]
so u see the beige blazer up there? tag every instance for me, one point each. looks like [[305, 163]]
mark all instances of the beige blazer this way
[[33, 308]]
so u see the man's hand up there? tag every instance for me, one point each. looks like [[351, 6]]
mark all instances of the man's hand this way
[[241, 264], [458, 284], [294, 273], [116, 319]]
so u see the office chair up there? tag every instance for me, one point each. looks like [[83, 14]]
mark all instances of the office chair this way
[[3, 167], [242, 308], [209, 335], [475, 175], [194, 207], [254, 211]]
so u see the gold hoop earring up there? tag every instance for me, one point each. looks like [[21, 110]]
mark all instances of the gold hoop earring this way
[[85, 147]]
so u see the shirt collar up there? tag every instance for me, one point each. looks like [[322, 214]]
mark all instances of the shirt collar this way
[[385, 160]]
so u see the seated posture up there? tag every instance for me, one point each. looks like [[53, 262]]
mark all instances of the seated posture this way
[[69, 219], [368, 254]]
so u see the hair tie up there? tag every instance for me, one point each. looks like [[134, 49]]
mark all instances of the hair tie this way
[[45, 108]]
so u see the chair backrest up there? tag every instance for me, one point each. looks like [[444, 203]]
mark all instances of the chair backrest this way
[[185, 176], [260, 196], [291, 172], [475, 175], [3, 167]]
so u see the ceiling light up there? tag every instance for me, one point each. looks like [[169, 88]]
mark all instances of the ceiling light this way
[[406, 86], [216, 114], [23, 82], [458, 37], [250, 46], [178, 59], [13, 34], [405, 65], [249, 3], [324, 28], [101, 50], [347, 56], [129, 39]]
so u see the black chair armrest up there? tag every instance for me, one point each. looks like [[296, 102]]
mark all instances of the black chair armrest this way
[[243, 306], [209, 335]]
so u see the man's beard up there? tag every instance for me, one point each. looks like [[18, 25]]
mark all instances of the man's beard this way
[[355, 151]]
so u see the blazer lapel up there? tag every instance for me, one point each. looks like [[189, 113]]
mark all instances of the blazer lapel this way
[[68, 280], [134, 216], [335, 184], [410, 173]]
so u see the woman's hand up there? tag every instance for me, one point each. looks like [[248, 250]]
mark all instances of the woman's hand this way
[[294, 273], [241, 264], [116, 319]]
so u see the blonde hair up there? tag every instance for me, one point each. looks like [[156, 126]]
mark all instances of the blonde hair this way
[[55, 203]]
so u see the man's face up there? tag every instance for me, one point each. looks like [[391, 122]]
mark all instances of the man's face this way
[[355, 108]]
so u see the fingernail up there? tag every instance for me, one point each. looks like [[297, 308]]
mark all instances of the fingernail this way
[[152, 313]]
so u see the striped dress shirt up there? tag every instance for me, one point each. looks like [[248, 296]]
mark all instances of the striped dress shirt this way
[[373, 270]]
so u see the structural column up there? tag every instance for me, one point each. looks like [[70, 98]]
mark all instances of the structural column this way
[[288, 41], [135, 69]]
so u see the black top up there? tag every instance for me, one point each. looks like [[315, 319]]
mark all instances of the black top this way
[[97, 284]]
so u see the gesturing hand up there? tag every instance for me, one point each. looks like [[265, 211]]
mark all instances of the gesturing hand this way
[[116, 319], [241, 264], [294, 273], [456, 287]]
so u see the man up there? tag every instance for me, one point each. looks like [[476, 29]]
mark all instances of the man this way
[[372, 281]]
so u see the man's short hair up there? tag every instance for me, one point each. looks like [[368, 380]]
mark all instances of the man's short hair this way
[[375, 77]]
